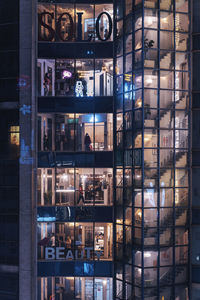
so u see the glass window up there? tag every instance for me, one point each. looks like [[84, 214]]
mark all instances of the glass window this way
[[64, 22], [182, 5], [80, 132], [166, 40], [85, 22], [65, 132], [82, 22], [65, 78], [103, 77], [46, 77], [166, 20], [88, 186], [65, 189], [128, 6], [90, 288], [46, 15], [104, 20]]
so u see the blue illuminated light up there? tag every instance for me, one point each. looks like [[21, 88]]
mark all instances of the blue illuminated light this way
[[46, 219]]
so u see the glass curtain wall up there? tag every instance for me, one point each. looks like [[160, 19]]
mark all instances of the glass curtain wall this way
[[151, 149]]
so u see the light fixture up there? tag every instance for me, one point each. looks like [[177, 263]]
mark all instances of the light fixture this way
[[147, 254], [149, 80], [65, 177]]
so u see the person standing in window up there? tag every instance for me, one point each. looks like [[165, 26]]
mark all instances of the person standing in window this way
[[87, 142], [81, 197], [46, 84]]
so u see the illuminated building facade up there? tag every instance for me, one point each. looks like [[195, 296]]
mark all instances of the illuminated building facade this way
[[152, 149], [75, 150], [99, 156]]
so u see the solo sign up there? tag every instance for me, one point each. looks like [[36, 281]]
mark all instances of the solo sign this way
[[67, 254], [57, 34]]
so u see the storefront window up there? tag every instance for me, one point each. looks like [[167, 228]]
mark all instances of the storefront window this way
[[71, 187], [75, 78], [88, 288], [74, 241], [75, 132]]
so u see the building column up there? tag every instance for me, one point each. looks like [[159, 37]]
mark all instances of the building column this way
[[27, 169]]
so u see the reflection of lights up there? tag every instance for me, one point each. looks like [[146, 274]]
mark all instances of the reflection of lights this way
[[66, 74]]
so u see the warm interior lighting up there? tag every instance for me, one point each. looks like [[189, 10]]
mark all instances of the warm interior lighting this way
[[149, 80], [119, 221], [139, 213], [164, 20], [139, 102], [147, 138]]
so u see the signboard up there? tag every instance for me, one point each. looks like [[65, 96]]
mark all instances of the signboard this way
[[61, 253], [57, 32]]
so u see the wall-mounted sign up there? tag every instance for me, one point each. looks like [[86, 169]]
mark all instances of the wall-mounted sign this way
[[65, 18], [61, 253]]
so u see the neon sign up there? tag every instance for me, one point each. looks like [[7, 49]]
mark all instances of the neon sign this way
[[66, 74]]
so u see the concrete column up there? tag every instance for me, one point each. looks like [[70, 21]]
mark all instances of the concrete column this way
[[28, 171]]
